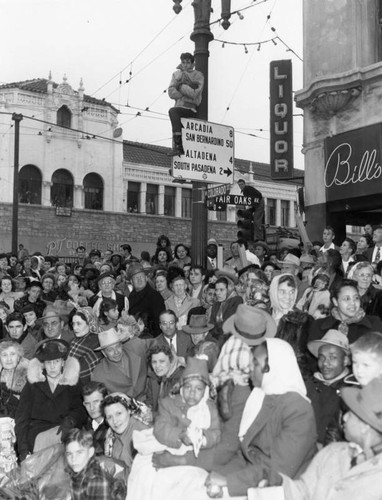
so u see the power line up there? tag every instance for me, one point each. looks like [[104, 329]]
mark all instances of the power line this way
[[139, 53]]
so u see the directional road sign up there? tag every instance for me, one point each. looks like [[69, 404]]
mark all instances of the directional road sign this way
[[208, 152]]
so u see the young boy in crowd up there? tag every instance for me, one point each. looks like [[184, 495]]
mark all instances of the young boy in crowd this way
[[89, 480], [189, 420], [367, 358]]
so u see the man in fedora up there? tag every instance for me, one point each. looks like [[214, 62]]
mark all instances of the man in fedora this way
[[199, 329], [349, 470], [54, 326], [251, 325], [144, 299], [121, 370]]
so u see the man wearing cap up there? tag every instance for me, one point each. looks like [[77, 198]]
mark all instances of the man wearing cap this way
[[121, 370], [33, 291], [54, 326], [106, 283], [333, 358], [144, 299], [348, 470], [212, 252]]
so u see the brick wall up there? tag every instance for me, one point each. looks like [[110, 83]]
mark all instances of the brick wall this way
[[41, 230]]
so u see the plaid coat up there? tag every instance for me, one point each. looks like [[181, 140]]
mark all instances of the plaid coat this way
[[92, 483]]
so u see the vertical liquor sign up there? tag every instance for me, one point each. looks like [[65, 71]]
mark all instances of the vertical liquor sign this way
[[281, 119]]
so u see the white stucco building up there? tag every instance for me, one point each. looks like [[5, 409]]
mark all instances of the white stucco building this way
[[68, 155]]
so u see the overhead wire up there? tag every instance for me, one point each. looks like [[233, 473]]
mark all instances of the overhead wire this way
[[139, 53]]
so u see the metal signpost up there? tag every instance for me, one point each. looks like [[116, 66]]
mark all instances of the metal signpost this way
[[208, 152]]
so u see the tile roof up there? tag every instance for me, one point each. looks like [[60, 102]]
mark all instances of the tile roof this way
[[40, 85], [149, 154]]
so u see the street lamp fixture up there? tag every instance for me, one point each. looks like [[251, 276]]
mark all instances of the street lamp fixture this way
[[177, 7]]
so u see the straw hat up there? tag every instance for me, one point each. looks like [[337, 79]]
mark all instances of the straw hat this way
[[331, 337], [107, 338], [290, 259]]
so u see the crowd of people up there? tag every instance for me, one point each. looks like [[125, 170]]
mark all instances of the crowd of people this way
[[152, 377]]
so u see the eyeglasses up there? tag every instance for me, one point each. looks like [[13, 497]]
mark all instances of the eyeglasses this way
[[167, 323], [107, 282]]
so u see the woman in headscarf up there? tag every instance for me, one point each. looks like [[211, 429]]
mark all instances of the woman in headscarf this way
[[277, 429], [84, 324]]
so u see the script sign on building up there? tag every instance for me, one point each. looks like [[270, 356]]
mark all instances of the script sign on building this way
[[353, 163], [281, 119], [208, 152]]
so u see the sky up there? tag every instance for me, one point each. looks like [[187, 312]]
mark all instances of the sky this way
[[125, 51]]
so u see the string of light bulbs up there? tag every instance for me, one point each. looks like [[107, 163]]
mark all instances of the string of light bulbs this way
[[259, 43]]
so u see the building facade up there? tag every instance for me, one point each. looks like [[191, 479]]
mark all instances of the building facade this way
[[68, 156], [341, 100], [81, 184]]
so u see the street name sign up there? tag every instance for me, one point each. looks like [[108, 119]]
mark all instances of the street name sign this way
[[208, 152], [223, 189], [235, 199]]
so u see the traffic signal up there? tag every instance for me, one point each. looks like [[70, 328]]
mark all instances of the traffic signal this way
[[245, 224]]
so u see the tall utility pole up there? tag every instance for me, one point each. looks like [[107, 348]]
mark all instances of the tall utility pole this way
[[16, 117], [201, 36]]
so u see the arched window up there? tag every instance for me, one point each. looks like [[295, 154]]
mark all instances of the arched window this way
[[30, 185], [93, 188], [64, 117], [61, 192]]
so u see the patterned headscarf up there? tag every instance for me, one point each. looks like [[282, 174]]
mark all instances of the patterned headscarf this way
[[91, 318]]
